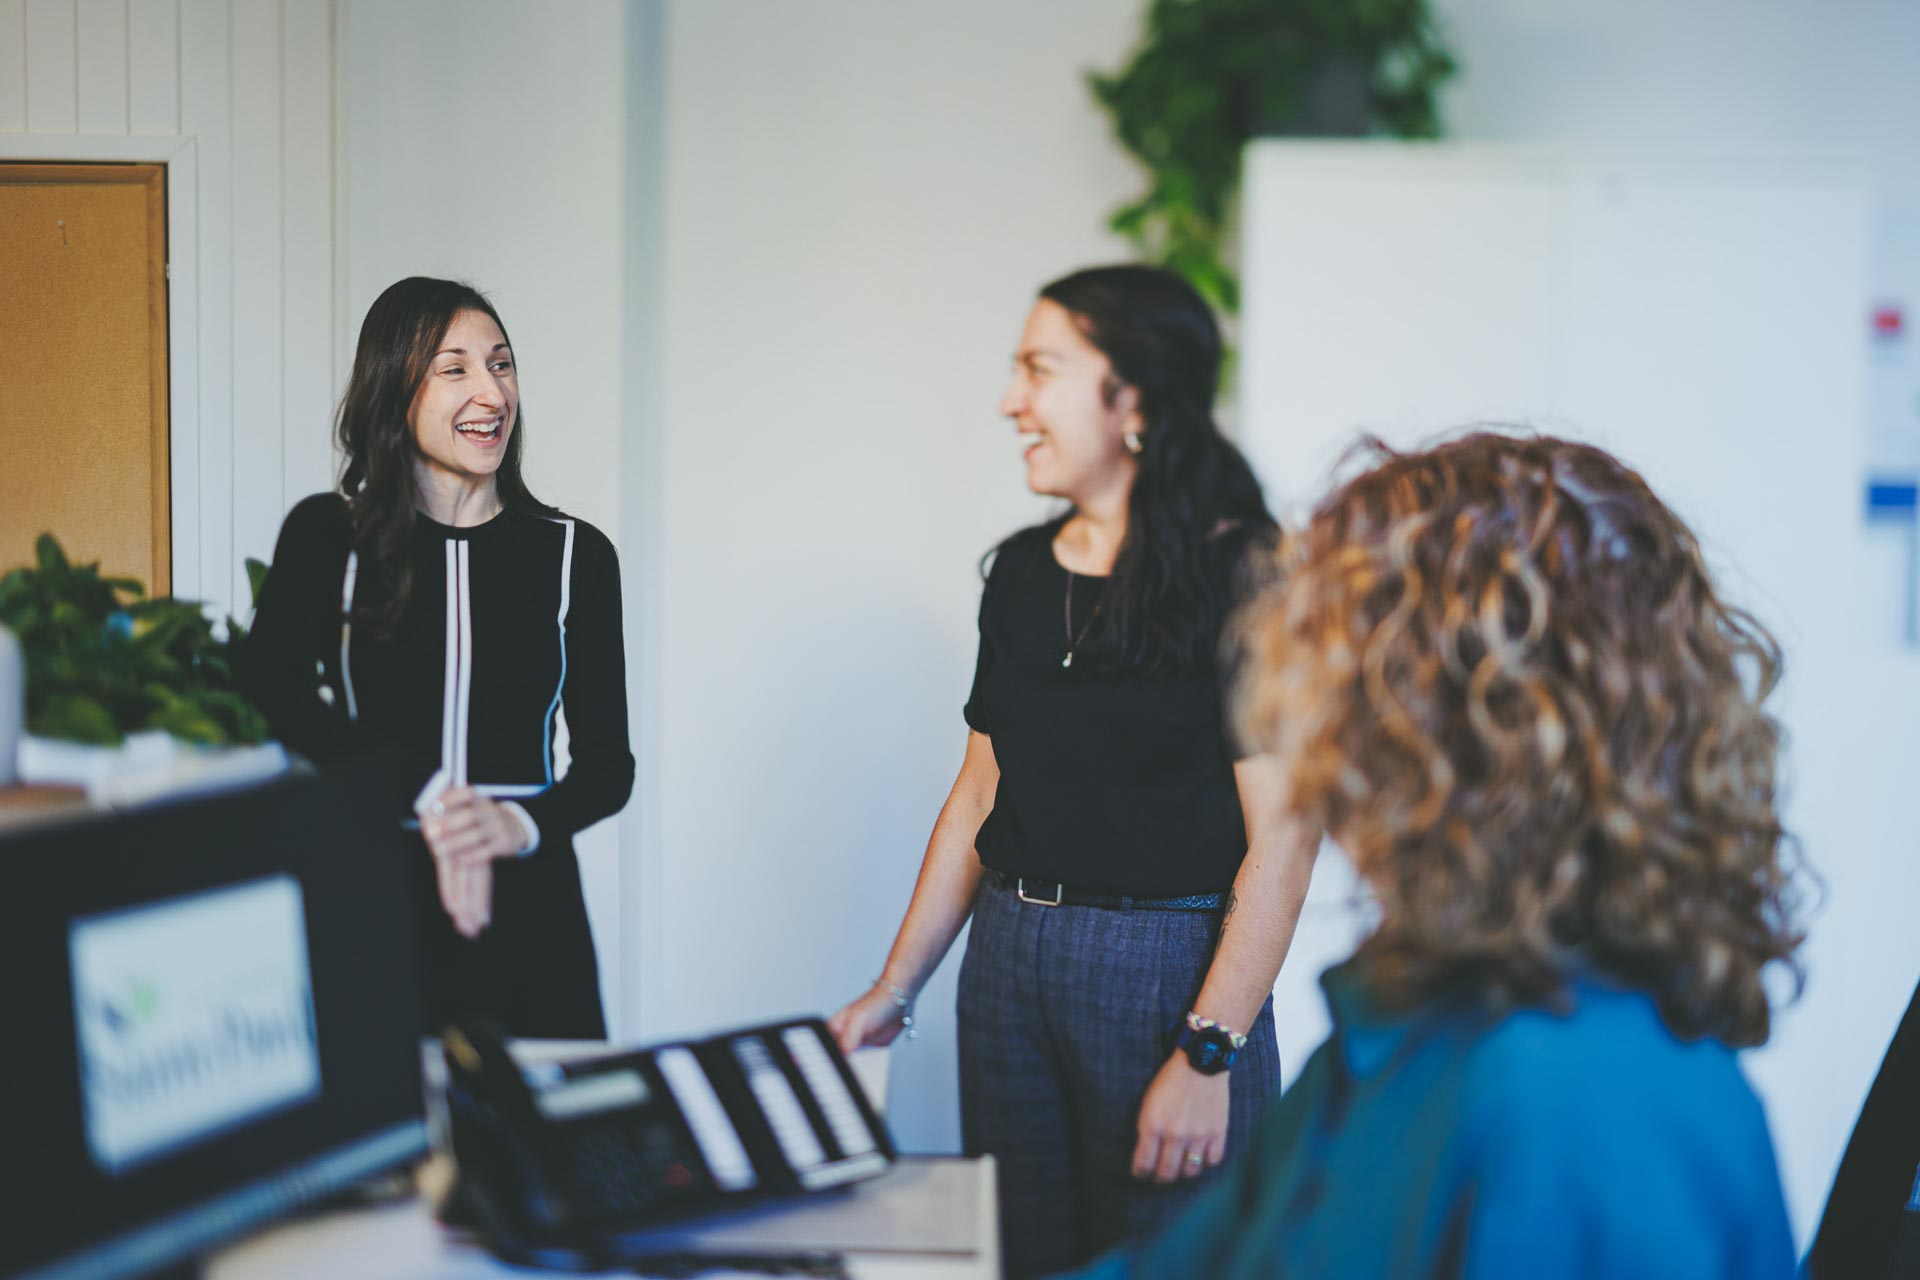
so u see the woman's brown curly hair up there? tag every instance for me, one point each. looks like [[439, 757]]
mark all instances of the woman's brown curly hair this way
[[1502, 677]]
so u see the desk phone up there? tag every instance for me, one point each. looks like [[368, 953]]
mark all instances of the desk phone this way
[[564, 1152]]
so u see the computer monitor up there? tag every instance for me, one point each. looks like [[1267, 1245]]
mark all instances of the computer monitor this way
[[209, 1014]]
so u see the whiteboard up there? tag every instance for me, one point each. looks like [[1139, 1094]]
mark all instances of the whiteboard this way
[[1702, 316]]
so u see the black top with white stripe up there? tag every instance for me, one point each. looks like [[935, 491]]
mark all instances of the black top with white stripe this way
[[506, 670]]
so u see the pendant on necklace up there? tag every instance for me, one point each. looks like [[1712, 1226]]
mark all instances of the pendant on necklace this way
[[1068, 660]]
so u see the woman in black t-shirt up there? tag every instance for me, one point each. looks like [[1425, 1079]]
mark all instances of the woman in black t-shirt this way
[[1132, 884]]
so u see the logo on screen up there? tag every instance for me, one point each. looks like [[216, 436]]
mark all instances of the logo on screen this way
[[193, 1016]]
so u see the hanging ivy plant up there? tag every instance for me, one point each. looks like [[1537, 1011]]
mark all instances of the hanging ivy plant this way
[[103, 662], [1210, 75]]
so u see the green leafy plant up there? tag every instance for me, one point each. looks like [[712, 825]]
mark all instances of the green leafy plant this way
[[1210, 75], [103, 662]]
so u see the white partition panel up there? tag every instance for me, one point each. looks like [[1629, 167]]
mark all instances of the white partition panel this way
[[1702, 316]]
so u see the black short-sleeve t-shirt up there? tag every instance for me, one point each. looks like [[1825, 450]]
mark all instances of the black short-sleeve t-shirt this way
[[1109, 782]]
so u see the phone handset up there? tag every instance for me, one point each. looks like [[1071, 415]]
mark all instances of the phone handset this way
[[502, 1144]]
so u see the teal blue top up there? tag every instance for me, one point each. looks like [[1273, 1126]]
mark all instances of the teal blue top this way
[[1584, 1141]]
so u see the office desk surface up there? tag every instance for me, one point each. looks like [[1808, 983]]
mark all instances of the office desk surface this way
[[23, 807], [931, 1218]]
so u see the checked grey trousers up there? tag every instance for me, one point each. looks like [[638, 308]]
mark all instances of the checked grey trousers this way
[[1065, 1016]]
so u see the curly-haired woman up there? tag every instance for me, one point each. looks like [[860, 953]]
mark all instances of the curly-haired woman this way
[[1500, 674]]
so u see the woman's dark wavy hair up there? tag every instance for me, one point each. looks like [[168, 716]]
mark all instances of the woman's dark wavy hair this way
[[1159, 614], [398, 339], [1499, 671]]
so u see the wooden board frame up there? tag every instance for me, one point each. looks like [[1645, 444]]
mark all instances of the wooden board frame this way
[[153, 177], [185, 313]]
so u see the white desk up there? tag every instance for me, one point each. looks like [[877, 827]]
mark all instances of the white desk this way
[[877, 1225], [930, 1218]]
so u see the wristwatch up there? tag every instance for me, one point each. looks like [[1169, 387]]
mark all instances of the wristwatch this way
[[1210, 1047]]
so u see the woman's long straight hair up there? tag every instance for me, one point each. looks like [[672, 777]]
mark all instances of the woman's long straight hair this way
[[403, 330], [1160, 614]]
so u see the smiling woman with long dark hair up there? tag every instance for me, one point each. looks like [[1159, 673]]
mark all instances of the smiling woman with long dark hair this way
[[1131, 891], [434, 618]]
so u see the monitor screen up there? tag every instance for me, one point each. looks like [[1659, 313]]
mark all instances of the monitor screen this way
[[209, 1016]]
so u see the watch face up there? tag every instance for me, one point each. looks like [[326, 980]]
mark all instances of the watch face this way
[[1210, 1051]]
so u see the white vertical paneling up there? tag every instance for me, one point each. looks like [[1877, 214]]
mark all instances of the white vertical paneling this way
[[101, 65], [52, 105], [13, 66], [258, 469], [241, 99], [344, 316], [183, 384], [206, 112], [306, 139], [153, 66]]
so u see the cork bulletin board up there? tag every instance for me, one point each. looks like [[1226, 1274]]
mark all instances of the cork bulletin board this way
[[83, 366]]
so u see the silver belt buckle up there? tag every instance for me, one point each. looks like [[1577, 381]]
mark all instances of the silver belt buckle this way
[[1059, 892]]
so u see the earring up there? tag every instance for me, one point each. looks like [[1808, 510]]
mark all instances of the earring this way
[[1133, 442]]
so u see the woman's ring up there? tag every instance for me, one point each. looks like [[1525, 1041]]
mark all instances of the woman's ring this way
[[1195, 1160]]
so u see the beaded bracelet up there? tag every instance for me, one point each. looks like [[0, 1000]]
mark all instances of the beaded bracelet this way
[[1197, 1023], [905, 1002]]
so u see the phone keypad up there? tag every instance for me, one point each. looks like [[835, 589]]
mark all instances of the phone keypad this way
[[626, 1168], [728, 1160], [781, 1106], [830, 1090]]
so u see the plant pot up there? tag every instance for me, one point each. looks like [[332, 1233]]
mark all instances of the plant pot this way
[[1335, 100], [13, 705], [145, 767]]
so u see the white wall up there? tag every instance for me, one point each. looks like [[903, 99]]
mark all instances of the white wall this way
[[1765, 73], [237, 100], [483, 140], [860, 200]]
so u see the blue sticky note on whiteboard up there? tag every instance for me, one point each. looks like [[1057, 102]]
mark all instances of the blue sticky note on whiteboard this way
[[1893, 501]]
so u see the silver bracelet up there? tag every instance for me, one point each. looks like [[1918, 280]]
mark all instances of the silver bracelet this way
[[905, 1002]]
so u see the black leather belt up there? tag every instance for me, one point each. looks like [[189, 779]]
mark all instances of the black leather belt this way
[[1051, 893]]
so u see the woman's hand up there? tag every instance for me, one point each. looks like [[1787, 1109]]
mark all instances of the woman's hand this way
[[1183, 1123], [873, 1019], [465, 826], [466, 891], [465, 831]]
